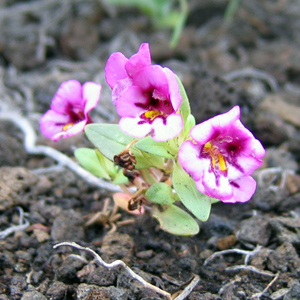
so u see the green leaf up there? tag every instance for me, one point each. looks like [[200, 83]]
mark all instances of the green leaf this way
[[89, 160], [161, 193], [184, 108], [199, 204], [108, 166], [111, 141], [190, 122], [175, 220], [108, 138], [120, 178], [162, 149]]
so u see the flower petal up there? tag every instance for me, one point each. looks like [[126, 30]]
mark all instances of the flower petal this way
[[91, 93], [163, 132], [131, 127], [67, 95], [215, 186], [52, 122], [206, 131], [243, 189], [175, 96], [72, 130], [118, 89], [152, 77], [115, 68], [126, 103], [188, 157], [139, 60]]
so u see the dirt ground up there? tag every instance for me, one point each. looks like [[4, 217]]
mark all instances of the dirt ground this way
[[254, 62]]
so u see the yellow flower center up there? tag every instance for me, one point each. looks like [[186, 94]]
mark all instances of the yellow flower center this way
[[67, 126], [216, 156], [152, 114]]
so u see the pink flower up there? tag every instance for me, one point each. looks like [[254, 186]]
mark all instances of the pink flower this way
[[70, 109], [221, 157], [146, 96]]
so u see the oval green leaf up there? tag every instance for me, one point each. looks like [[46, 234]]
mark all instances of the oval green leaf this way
[[175, 220], [197, 203], [111, 141], [160, 193], [88, 159], [161, 149]]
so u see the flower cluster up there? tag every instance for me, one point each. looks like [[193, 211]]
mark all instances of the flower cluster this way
[[146, 96], [156, 145]]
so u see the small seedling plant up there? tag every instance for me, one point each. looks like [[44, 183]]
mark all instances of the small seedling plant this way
[[163, 162]]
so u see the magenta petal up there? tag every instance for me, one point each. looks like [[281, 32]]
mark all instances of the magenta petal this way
[[115, 69], [68, 94], [131, 127], [73, 130], [188, 157], [243, 189], [139, 60], [204, 132], [118, 89], [126, 103], [52, 122], [91, 93], [215, 187], [175, 95], [152, 77], [163, 132]]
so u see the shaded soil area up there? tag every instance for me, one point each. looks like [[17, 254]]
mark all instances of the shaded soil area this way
[[253, 61]]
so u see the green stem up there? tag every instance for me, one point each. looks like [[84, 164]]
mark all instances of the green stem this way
[[177, 31], [231, 11]]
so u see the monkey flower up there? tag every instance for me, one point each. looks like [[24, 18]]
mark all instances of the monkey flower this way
[[222, 156], [70, 109], [146, 96]]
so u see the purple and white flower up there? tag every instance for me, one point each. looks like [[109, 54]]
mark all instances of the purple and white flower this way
[[221, 157], [70, 108], [146, 96]]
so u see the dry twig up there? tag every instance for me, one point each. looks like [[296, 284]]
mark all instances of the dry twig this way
[[62, 159], [116, 263], [237, 251], [23, 224]]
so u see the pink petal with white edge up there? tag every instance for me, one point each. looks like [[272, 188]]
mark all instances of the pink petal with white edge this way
[[126, 104], [72, 130], [216, 187], [91, 93], [68, 94], [139, 60], [248, 164], [52, 122], [175, 95], [243, 191], [131, 127], [206, 131], [115, 68], [163, 132], [188, 157]]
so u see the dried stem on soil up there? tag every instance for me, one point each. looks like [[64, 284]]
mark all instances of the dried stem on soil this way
[[23, 224], [116, 263], [258, 295], [237, 251], [62, 159]]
